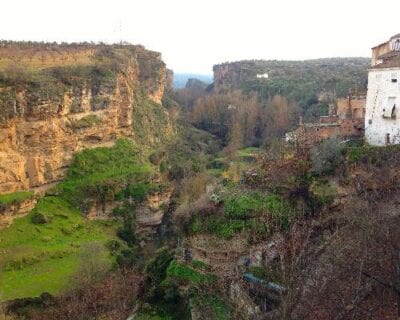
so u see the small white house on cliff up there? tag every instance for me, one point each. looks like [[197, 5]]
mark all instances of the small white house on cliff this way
[[382, 117]]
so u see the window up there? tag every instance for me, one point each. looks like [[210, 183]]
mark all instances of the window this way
[[390, 109], [387, 138], [394, 77], [370, 121], [396, 45]]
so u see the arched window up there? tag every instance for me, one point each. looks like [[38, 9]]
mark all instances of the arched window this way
[[396, 45]]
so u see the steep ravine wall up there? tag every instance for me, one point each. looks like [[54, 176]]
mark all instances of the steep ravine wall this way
[[38, 139]]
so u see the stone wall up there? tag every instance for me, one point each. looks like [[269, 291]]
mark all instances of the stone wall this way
[[380, 130]]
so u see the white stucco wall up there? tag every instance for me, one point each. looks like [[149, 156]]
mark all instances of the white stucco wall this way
[[380, 88]]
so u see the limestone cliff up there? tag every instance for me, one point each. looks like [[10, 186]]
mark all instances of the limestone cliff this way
[[65, 106]]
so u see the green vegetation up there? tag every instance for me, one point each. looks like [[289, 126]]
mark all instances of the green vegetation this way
[[231, 167], [323, 191], [48, 71], [102, 173], [189, 153], [372, 154], [150, 123], [15, 198], [182, 273], [200, 265], [212, 307], [43, 257], [270, 274], [227, 228], [85, 122], [254, 212], [152, 315], [302, 80], [256, 203], [326, 156], [156, 271], [245, 205], [248, 152]]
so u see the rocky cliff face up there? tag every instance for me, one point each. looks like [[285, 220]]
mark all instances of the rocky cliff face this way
[[41, 131]]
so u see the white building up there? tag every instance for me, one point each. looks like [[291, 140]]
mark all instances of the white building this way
[[382, 117], [262, 76]]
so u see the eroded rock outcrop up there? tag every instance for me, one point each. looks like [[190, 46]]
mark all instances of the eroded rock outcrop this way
[[40, 131]]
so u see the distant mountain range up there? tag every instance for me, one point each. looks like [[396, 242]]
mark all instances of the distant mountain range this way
[[180, 79]]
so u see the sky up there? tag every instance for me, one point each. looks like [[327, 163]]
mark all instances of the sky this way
[[194, 35]]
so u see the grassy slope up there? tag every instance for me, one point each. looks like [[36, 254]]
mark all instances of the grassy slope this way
[[16, 197], [37, 258]]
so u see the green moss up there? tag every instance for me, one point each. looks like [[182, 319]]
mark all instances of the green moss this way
[[220, 226], [185, 274], [15, 198], [244, 205], [38, 258], [255, 203]]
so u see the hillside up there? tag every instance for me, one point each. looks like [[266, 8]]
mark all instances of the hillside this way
[[76, 113], [295, 80], [59, 99], [113, 206]]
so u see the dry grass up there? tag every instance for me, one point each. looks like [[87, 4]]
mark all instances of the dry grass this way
[[4, 315], [35, 59]]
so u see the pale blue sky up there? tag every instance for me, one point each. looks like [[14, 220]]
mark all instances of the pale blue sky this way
[[194, 35]]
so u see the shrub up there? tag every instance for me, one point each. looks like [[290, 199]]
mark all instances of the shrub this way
[[113, 245], [40, 218], [242, 205], [326, 156], [157, 157], [184, 274], [15, 198], [372, 154], [139, 191], [93, 265], [219, 226], [194, 187], [127, 231], [323, 192], [156, 271], [127, 257]]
